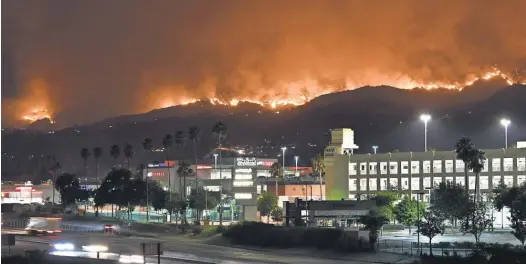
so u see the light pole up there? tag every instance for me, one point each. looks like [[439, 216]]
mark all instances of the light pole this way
[[374, 148], [425, 118], [215, 164], [505, 123], [418, 220], [283, 170], [296, 171]]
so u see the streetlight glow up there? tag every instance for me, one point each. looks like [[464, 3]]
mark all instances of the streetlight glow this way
[[374, 148], [425, 118], [296, 158], [505, 123]]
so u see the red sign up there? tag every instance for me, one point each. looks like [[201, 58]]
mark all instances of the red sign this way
[[265, 163], [169, 163]]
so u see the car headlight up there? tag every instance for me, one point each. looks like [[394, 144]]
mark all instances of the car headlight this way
[[64, 246], [95, 248]]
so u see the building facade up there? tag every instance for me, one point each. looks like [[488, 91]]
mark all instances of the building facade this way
[[352, 176]]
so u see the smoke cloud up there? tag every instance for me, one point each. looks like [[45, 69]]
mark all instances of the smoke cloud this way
[[104, 58]]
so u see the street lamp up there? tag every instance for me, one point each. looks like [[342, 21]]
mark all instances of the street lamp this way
[[419, 198], [425, 118], [296, 158], [505, 123], [374, 148]]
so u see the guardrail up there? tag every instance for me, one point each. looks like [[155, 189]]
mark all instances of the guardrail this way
[[64, 226], [413, 248]]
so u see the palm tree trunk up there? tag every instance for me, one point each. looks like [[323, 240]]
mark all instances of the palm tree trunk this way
[[477, 188], [147, 195], [321, 187], [466, 178], [195, 186], [220, 184], [169, 179]]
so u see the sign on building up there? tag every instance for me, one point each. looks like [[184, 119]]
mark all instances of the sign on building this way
[[246, 162]]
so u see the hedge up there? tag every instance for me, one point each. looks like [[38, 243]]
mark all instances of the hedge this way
[[483, 253], [268, 235]]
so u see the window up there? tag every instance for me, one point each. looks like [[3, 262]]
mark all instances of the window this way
[[436, 182], [495, 164], [521, 179], [353, 185], [383, 184], [242, 196], [471, 183], [393, 183], [405, 167], [373, 168], [238, 183], [363, 184], [508, 164], [496, 180], [427, 167], [484, 184], [405, 183], [258, 189], [372, 184], [508, 181], [415, 167], [459, 165], [352, 168], [427, 182], [415, 183], [393, 167], [383, 168], [449, 179], [449, 166], [363, 168], [521, 164], [437, 166], [460, 181]]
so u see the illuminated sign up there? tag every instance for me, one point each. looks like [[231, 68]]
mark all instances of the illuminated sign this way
[[243, 170], [204, 166], [265, 163], [246, 162]]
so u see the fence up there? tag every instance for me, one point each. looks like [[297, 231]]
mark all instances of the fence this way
[[412, 248]]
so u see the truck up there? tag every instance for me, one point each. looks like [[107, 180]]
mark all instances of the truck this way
[[43, 226]]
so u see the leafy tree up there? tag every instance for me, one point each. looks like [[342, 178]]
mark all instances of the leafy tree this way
[[450, 199], [518, 218], [465, 150], [266, 203], [431, 225], [157, 195], [175, 204], [318, 165], [505, 196], [69, 188], [147, 145], [277, 214], [406, 211], [115, 152], [373, 222], [128, 153], [201, 200], [220, 131], [385, 201], [97, 153], [115, 189], [183, 172], [53, 166], [477, 220]]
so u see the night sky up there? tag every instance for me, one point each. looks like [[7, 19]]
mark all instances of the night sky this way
[[88, 60]]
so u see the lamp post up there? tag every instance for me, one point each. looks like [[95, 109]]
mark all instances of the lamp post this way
[[296, 171], [374, 148], [425, 118], [419, 198], [283, 149], [505, 123]]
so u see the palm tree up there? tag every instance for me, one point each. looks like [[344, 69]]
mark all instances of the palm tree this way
[[183, 171], [179, 142], [477, 164], [84, 153], [276, 171], [318, 165], [220, 131], [115, 152], [147, 145], [465, 152], [128, 153], [195, 136], [97, 153], [168, 144], [53, 166]]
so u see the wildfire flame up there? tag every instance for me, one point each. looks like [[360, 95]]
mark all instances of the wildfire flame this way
[[38, 114]]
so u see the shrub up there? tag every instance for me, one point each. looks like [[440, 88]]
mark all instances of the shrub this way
[[196, 230]]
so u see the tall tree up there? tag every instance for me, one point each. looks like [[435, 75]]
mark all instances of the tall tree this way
[[168, 143], [373, 222], [518, 218], [147, 145], [85, 154], [128, 154], [276, 171], [450, 199], [194, 134], [318, 165], [53, 166], [97, 153], [183, 172], [431, 226], [175, 204], [69, 188], [179, 141], [476, 164], [220, 132], [115, 152], [201, 200], [266, 203], [465, 150], [406, 211], [477, 220]]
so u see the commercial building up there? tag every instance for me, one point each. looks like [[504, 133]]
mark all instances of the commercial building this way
[[352, 176], [28, 193]]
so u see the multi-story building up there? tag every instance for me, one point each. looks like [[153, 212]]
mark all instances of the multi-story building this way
[[352, 176]]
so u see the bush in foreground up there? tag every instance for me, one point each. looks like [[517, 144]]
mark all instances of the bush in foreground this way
[[483, 253]]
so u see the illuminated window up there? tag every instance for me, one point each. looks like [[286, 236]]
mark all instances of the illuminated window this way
[[495, 163], [521, 179], [372, 184], [496, 180], [508, 180], [363, 168], [405, 183], [508, 164], [243, 196], [427, 167], [393, 183], [238, 183], [405, 167], [352, 169], [415, 183], [393, 167], [437, 166], [363, 184], [383, 168], [353, 185], [460, 180], [484, 184], [459, 165], [521, 164], [373, 168], [415, 167], [383, 184]]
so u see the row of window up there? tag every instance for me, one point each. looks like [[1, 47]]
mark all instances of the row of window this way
[[450, 166], [386, 184]]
